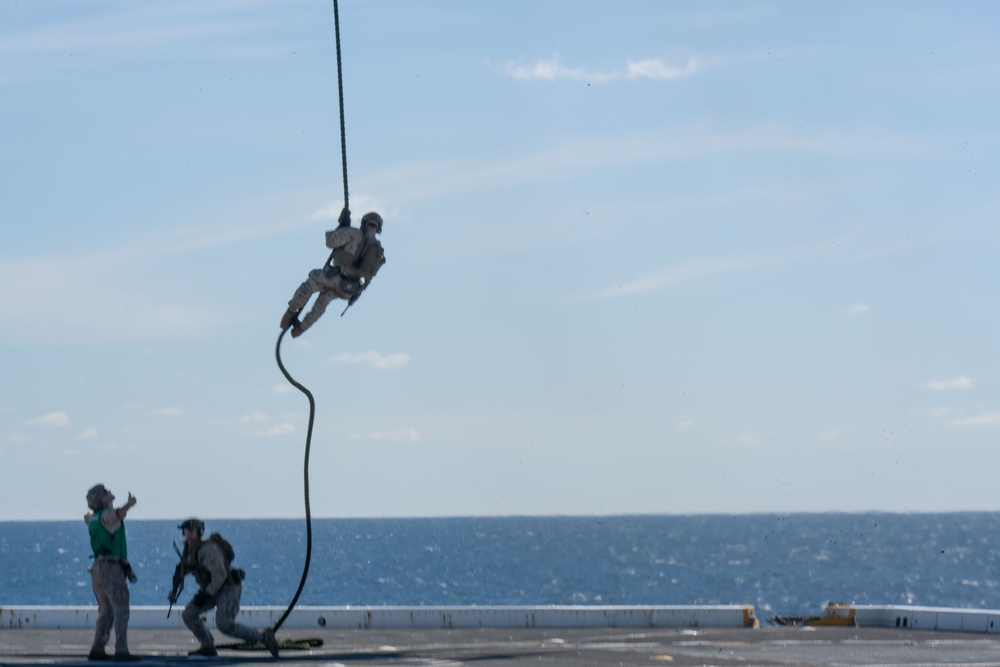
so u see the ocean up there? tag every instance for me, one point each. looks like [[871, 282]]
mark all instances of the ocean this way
[[783, 564]]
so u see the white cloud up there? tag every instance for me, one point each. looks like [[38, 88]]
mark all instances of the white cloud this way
[[17, 438], [940, 411], [961, 382], [444, 179], [676, 274], [88, 434], [97, 290], [167, 412], [377, 360], [746, 439], [280, 429], [985, 419], [698, 268], [687, 423], [252, 417], [57, 419], [144, 27], [856, 310], [553, 70], [399, 435], [655, 68], [282, 389]]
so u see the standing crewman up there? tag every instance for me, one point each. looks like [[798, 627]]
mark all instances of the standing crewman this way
[[109, 571], [357, 256], [220, 586]]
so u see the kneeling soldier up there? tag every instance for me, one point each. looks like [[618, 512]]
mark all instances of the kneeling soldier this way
[[220, 586]]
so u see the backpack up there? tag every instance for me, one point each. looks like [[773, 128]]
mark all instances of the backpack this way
[[370, 259], [227, 548]]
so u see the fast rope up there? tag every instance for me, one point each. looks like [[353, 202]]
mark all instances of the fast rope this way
[[340, 93], [343, 132], [277, 350], [305, 474]]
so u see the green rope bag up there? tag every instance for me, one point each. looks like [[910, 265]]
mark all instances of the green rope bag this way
[[283, 644]]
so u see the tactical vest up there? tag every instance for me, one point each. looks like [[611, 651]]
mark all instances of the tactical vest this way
[[102, 542], [201, 574], [365, 264]]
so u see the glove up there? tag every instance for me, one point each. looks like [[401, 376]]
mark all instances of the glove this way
[[345, 217], [202, 599]]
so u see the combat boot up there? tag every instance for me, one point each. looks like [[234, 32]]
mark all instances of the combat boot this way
[[267, 636]]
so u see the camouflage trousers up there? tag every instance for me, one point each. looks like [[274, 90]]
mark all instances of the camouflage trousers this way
[[227, 607], [329, 288], [112, 595]]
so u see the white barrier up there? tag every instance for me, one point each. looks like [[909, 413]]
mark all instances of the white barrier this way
[[681, 616], [943, 619]]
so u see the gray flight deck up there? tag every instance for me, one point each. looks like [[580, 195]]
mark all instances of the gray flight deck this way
[[682, 636], [516, 647]]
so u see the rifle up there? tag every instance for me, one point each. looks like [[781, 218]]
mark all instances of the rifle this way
[[178, 582], [357, 296]]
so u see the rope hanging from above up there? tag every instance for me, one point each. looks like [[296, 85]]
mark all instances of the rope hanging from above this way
[[277, 351], [340, 92]]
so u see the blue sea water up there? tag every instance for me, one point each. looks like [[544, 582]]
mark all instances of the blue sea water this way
[[784, 564]]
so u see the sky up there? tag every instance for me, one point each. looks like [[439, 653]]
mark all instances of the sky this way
[[642, 257]]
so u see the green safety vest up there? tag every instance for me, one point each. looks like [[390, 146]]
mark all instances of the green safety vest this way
[[103, 542]]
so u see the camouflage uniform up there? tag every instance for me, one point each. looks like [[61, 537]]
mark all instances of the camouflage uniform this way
[[108, 573], [341, 281], [215, 576], [111, 591]]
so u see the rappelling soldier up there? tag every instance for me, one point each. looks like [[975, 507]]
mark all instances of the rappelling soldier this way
[[106, 526], [220, 585], [356, 258]]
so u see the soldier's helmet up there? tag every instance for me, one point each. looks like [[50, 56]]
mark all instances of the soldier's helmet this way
[[372, 218], [192, 523], [94, 496]]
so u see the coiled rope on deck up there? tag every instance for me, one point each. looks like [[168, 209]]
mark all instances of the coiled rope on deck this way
[[305, 474]]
